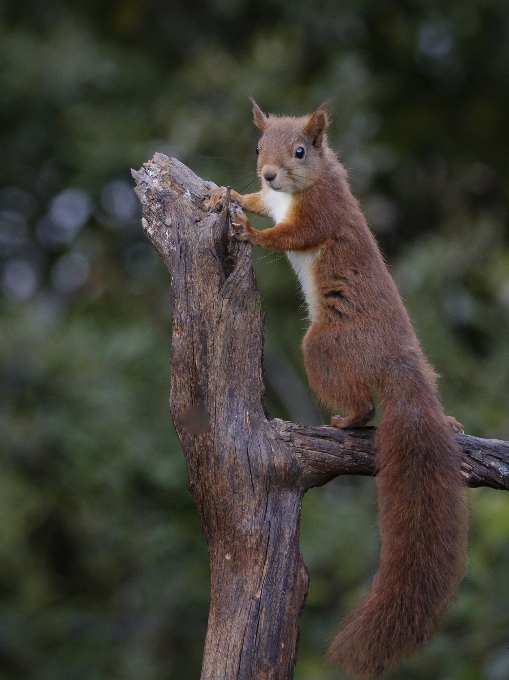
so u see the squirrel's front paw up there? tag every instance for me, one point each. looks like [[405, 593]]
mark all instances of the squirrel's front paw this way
[[216, 199], [242, 227]]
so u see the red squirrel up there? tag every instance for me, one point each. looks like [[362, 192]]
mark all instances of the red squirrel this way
[[360, 341]]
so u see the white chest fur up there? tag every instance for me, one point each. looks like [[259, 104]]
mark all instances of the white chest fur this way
[[278, 204], [303, 265]]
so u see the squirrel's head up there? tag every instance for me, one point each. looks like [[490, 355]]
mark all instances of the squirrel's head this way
[[290, 150]]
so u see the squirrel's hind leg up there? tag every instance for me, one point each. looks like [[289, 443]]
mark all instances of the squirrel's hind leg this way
[[334, 375]]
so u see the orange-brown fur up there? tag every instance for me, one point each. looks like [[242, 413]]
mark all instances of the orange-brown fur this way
[[361, 341]]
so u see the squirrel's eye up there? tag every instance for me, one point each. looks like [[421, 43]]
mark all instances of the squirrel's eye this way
[[257, 151], [300, 152]]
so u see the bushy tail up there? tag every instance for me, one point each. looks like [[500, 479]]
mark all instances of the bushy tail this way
[[423, 526]]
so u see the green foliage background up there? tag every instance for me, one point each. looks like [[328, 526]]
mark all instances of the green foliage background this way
[[103, 567]]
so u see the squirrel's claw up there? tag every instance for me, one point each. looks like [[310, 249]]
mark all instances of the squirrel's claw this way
[[241, 226], [240, 223], [216, 199]]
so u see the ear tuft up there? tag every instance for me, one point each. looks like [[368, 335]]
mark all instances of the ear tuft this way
[[316, 126], [259, 118]]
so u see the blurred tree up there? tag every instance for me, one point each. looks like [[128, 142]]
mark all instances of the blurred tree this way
[[103, 570]]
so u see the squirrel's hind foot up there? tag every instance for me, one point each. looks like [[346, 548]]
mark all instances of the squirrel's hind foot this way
[[456, 427], [355, 420]]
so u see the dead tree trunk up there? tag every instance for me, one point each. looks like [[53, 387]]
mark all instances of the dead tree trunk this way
[[247, 474]]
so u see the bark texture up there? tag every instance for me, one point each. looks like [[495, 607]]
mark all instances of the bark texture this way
[[247, 474]]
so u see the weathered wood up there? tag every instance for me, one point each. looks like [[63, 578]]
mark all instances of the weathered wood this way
[[247, 474], [244, 479], [326, 452]]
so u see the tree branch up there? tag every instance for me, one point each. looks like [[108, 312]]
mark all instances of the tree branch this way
[[247, 474], [326, 452]]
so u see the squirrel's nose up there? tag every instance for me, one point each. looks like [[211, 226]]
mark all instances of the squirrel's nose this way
[[269, 175]]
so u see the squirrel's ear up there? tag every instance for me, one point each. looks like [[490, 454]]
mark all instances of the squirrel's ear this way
[[316, 126], [260, 119]]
